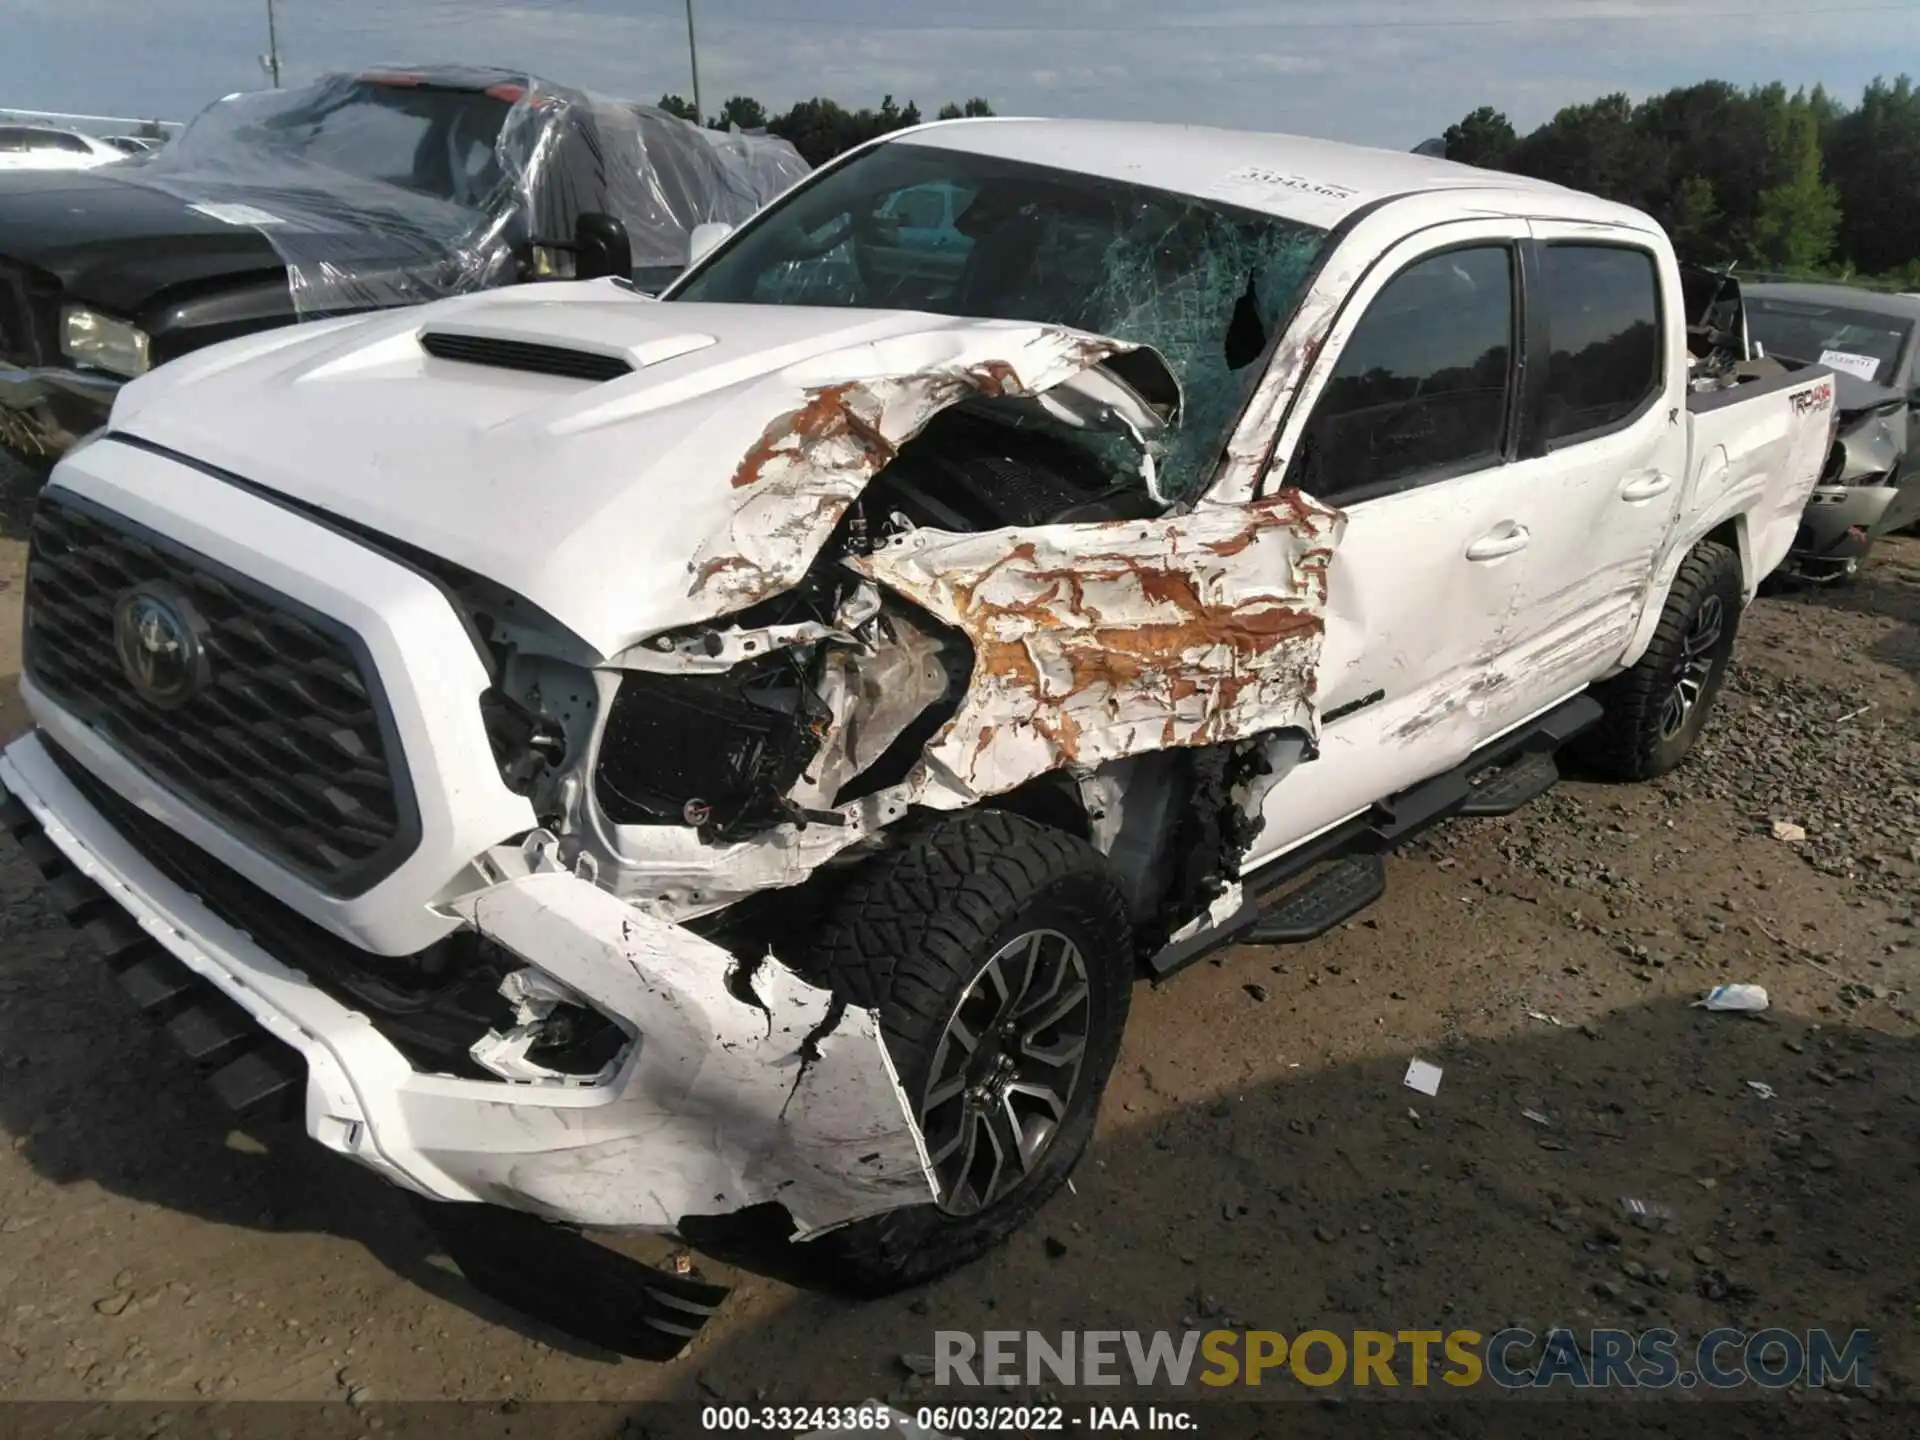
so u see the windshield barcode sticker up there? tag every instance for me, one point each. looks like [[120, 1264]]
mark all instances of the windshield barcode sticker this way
[[238, 214], [1862, 367]]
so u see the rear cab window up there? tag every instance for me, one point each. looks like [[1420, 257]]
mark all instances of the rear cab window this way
[[1605, 360]]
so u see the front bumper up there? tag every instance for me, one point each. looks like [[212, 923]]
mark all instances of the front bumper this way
[[1838, 527], [44, 410], [734, 1091]]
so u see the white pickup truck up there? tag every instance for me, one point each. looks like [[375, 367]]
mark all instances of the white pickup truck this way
[[629, 761]]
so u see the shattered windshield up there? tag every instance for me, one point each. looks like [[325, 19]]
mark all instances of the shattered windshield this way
[[434, 140], [1853, 342], [909, 227]]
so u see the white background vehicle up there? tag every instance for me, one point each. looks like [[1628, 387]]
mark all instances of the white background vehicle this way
[[632, 761], [46, 147]]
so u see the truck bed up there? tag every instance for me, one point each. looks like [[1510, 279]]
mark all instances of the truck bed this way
[[1757, 448]]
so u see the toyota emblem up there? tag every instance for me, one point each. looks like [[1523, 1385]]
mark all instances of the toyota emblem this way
[[159, 637]]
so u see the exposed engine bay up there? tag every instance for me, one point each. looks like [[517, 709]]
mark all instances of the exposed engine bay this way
[[710, 763]]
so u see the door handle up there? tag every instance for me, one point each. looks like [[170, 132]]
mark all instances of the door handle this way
[[1504, 540], [1645, 487]]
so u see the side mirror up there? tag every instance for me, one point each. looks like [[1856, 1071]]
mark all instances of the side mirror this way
[[604, 249], [600, 247], [705, 238]]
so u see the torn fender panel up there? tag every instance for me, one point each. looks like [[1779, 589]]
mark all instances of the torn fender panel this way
[[858, 406], [1098, 641], [743, 1088]]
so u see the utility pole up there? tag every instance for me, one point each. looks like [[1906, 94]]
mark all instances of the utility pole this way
[[272, 58], [693, 54]]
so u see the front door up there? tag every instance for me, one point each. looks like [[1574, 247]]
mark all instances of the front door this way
[[1410, 425]]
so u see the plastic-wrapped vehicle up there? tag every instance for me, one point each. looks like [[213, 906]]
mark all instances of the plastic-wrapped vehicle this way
[[355, 193], [635, 763]]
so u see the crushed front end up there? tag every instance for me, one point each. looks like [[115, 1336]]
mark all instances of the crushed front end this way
[[268, 777], [1868, 488], [520, 919]]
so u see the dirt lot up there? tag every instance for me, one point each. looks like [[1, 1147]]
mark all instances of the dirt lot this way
[[1258, 1160]]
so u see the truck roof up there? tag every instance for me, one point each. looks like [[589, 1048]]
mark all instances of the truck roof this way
[[1317, 182]]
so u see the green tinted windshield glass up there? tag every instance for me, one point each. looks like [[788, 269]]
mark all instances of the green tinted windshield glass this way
[[909, 227]]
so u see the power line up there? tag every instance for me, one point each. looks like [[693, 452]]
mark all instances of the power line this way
[[1206, 26]]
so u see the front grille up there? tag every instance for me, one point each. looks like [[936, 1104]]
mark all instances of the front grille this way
[[524, 355], [29, 309], [287, 743]]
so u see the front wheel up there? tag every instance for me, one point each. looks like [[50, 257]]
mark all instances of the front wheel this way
[[1656, 710], [1000, 956]]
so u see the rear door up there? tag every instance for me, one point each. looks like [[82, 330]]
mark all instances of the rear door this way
[[1605, 460], [1410, 425]]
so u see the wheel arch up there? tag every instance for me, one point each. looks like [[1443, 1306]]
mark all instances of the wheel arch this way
[[1051, 800], [1732, 532]]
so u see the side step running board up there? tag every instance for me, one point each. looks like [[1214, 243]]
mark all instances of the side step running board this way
[[1333, 896], [1508, 788], [1497, 779]]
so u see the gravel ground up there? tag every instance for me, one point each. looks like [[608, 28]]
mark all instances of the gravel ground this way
[[1258, 1160]]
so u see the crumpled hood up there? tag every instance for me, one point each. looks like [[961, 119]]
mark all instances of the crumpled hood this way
[[706, 479]]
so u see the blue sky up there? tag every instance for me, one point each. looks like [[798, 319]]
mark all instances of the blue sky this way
[[1384, 72]]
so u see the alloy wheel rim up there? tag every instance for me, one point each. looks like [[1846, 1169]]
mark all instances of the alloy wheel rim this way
[[1006, 1067], [1699, 652]]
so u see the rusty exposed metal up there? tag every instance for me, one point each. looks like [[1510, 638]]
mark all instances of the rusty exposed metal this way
[[1099, 641], [831, 413], [812, 461]]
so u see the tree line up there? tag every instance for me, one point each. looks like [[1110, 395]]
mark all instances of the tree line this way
[[1790, 182], [820, 129]]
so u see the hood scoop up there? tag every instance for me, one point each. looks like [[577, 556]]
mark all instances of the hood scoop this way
[[593, 366]]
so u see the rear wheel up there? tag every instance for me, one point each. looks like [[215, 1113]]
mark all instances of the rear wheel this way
[[1656, 710], [999, 955]]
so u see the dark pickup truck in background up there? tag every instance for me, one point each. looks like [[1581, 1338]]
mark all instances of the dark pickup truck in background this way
[[354, 193]]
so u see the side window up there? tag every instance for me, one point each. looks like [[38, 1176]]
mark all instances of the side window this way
[[1602, 308], [922, 208], [1423, 382]]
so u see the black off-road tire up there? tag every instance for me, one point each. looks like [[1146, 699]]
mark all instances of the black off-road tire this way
[[1631, 743], [907, 936]]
